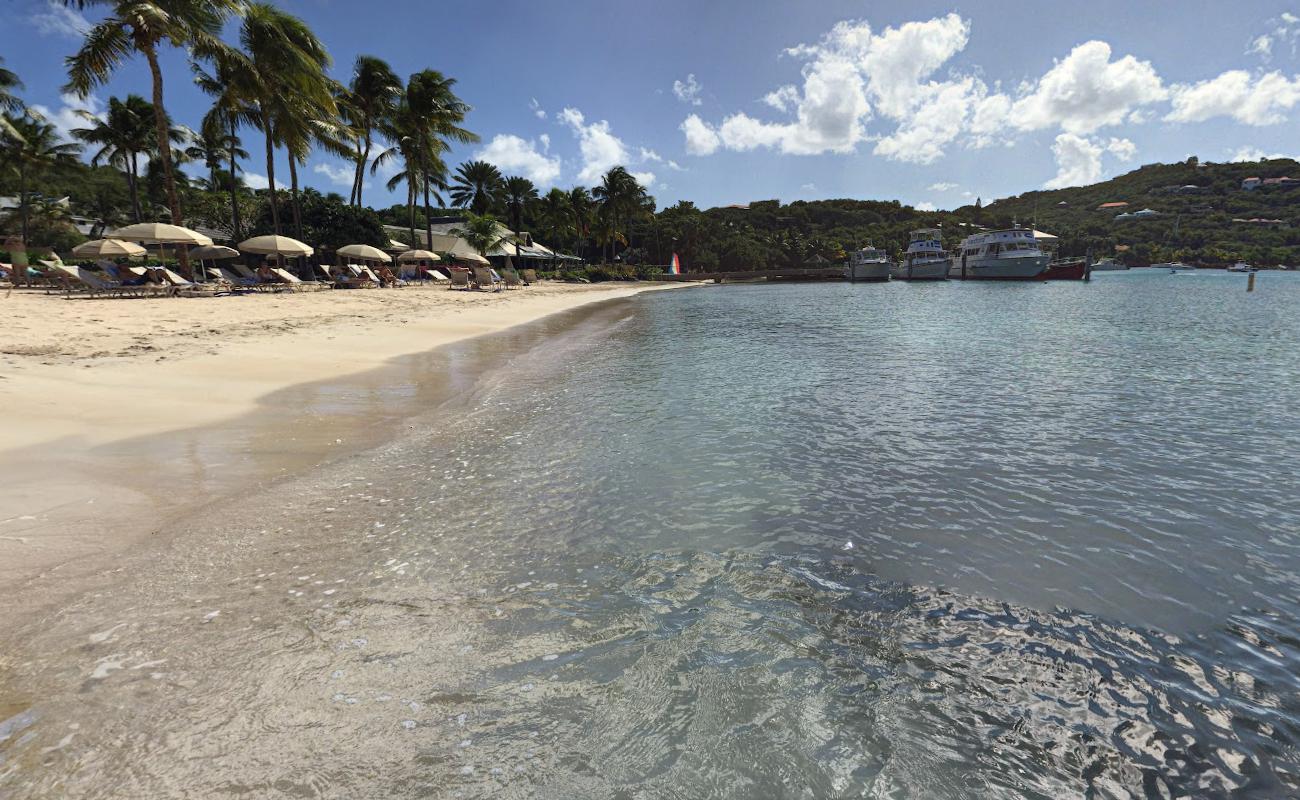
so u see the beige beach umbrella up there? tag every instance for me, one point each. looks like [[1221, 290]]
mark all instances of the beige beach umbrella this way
[[274, 245], [473, 257], [108, 248], [418, 255], [160, 233], [395, 246], [214, 252], [364, 252]]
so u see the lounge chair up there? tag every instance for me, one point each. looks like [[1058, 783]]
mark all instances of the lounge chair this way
[[530, 277], [459, 279], [511, 278], [486, 278], [435, 275]]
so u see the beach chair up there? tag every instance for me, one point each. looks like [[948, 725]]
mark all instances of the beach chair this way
[[75, 280], [459, 279], [293, 282], [530, 277], [486, 279], [511, 278], [435, 276]]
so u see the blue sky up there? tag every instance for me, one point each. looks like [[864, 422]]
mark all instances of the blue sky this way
[[724, 102]]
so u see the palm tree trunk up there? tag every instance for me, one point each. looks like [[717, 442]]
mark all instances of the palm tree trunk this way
[[361, 166], [410, 207], [133, 182], [165, 152], [270, 172], [428, 220], [297, 207], [18, 275], [234, 184]]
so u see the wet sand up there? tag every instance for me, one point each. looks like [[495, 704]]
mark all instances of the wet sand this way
[[121, 417]]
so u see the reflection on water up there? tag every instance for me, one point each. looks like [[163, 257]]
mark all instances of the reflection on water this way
[[794, 541]]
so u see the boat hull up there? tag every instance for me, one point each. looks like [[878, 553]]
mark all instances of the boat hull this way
[[870, 271], [1066, 271], [998, 269], [925, 271]]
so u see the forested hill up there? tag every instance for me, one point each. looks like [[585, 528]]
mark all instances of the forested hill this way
[[1203, 215]]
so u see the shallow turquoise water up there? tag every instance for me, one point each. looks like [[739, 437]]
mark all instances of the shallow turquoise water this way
[[819, 540]]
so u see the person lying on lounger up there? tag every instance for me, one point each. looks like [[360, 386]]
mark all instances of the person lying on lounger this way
[[265, 275]]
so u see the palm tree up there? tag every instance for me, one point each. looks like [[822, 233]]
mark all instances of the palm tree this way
[[476, 186], [298, 129], [283, 75], [370, 98], [518, 192], [483, 233], [143, 26], [438, 114], [230, 86], [32, 153], [123, 136], [580, 208], [554, 213], [621, 198], [9, 102]]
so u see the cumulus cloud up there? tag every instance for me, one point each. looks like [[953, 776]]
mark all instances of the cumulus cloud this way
[[67, 118], [925, 206], [537, 109], [942, 186], [701, 139], [600, 149], [1249, 99], [1248, 153], [1283, 30], [1086, 91], [514, 155], [646, 179], [338, 174], [254, 181], [1078, 159], [59, 20], [688, 91]]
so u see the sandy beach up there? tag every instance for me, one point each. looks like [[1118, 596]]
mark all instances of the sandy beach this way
[[96, 392]]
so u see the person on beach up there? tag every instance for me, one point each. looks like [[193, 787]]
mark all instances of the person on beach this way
[[386, 277], [265, 275]]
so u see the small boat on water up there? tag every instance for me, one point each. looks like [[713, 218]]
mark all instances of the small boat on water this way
[[1241, 266], [1012, 254], [1174, 266], [925, 259], [1066, 269], [1107, 265], [868, 264]]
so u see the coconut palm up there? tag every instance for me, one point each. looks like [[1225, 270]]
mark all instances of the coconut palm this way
[[125, 134], [370, 98], [518, 192], [35, 151], [580, 211], [477, 186], [437, 116], [9, 102], [621, 198], [145, 26], [283, 76], [300, 127], [230, 85], [554, 213], [483, 233]]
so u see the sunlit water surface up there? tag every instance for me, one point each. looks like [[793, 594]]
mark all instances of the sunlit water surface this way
[[796, 541]]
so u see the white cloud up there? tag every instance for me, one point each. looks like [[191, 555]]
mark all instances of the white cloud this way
[[646, 179], [538, 111], [514, 155], [925, 206], [336, 173], [650, 155], [942, 186], [1283, 30], [601, 150], [1086, 91], [1248, 153], [673, 165], [1123, 149], [689, 91], [254, 181], [701, 139], [67, 119], [59, 20], [1078, 162], [1249, 99], [809, 187], [783, 99]]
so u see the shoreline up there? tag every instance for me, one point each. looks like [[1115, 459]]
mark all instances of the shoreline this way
[[112, 449]]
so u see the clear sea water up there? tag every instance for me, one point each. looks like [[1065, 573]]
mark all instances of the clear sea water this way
[[755, 541]]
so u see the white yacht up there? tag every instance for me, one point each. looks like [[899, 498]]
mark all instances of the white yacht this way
[[1006, 255], [1174, 266], [868, 264], [925, 259], [1107, 265]]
